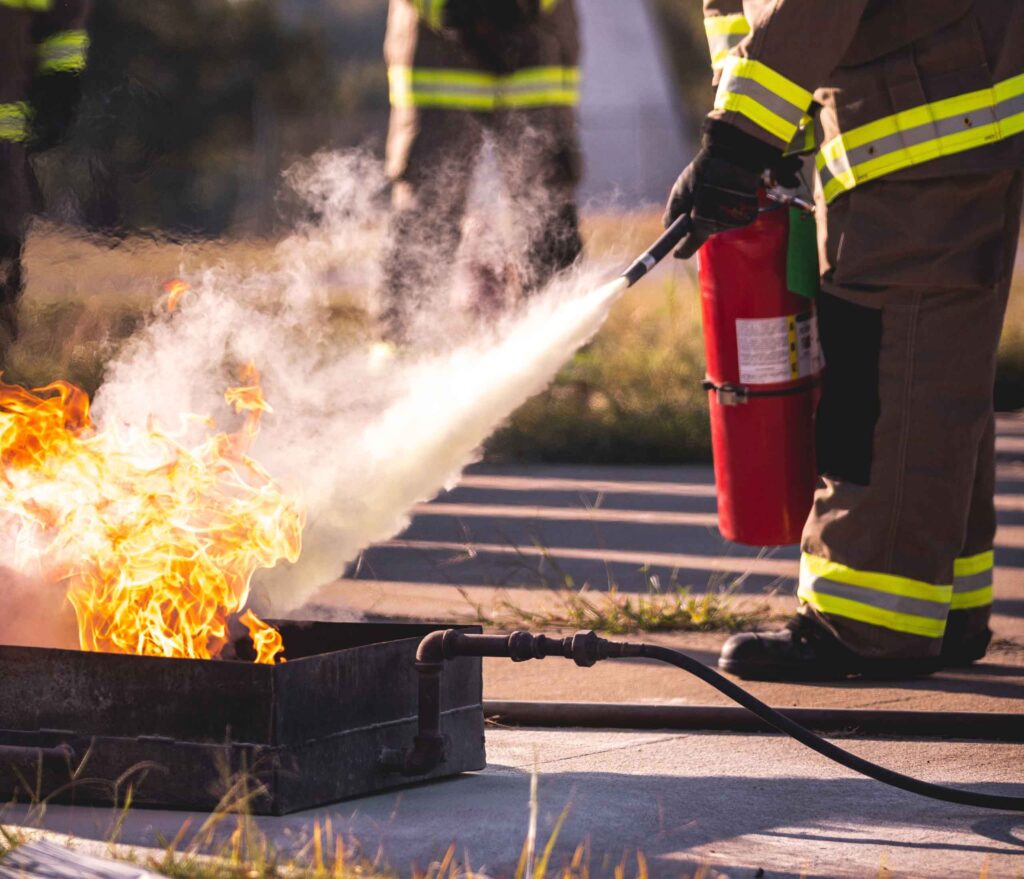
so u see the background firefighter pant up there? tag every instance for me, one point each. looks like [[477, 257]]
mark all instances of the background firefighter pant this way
[[431, 157], [897, 552]]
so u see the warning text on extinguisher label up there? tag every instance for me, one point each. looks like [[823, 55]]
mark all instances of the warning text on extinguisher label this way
[[778, 349]]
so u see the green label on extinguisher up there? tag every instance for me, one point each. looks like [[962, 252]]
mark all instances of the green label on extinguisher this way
[[802, 274]]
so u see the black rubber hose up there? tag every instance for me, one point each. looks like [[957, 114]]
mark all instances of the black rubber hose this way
[[822, 746], [976, 726], [586, 649]]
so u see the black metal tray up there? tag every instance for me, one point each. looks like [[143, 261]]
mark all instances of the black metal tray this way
[[193, 734]]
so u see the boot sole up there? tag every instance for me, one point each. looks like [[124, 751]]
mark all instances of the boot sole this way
[[752, 671], [804, 674]]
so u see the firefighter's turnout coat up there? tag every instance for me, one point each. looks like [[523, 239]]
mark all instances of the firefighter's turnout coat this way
[[429, 67], [914, 110], [936, 86], [522, 85], [37, 38]]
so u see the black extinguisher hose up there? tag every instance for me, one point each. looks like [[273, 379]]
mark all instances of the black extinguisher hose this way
[[586, 648], [659, 250], [823, 746]]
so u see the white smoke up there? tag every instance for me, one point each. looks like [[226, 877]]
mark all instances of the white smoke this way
[[357, 441], [35, 612]]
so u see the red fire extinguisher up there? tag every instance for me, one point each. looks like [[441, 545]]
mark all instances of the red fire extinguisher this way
[[763, 368]]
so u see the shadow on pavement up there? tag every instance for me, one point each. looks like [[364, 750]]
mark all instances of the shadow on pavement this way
[[983, 679], [787, 826]]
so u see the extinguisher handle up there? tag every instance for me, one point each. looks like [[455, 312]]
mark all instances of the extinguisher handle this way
[[659, 250]]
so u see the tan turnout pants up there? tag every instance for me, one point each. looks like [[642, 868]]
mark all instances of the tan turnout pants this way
[[432, 154], [897, 552], [441, 111]]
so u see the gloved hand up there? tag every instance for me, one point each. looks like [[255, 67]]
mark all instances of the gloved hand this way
[[487, 28], [54, 99], [498, 15], [718, 189]]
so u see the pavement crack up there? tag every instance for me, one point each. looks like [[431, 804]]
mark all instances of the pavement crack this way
[[582, 754]]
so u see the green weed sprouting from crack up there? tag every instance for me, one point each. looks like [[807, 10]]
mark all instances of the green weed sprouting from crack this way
[[671, 608], [676, 609]]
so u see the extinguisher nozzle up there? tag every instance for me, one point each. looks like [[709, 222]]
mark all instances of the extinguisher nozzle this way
[[659, 250]]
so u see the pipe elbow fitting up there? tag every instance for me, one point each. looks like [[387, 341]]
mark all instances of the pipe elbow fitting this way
[[433, 649]]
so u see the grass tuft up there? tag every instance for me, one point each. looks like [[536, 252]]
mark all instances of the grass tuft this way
[[633, 395], [610, 610]]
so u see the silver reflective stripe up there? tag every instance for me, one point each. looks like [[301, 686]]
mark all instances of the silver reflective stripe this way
[[920, 135], [62, 52], [430, 88], [13, 122], [722, 44], [1010, 107], [972, 582], [751, 88], [934, 610], [530, 88]]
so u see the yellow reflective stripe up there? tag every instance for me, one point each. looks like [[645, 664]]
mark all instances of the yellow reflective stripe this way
[[763, 95], [724, 32], [14, 122], [448, 89], [720, 25], [897, 603], [805, 139], [32, 5], [972, 581], [862, 613], [888, 583], [473, 90], [775, 82], [431, 11], [64, 52], [975, 598], [548, 5], [538, 86], [921, 134], [974, 564]]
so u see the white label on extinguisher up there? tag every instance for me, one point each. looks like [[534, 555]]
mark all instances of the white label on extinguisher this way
[[778, 349]]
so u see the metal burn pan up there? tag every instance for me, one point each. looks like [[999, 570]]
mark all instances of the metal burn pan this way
[[80, 727]]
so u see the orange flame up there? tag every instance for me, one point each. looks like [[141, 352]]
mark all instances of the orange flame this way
[[156, 541], [175, 290]]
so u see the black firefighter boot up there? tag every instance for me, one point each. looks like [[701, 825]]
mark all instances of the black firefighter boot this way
[[805, 650], [965, 641]]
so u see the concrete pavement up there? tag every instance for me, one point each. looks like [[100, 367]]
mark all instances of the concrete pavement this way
[[742, 806], [519, 534], [738, 805]]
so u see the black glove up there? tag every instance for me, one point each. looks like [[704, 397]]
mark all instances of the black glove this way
[[786, 172], [489, 29], [54, 99], [498, 15], [718, 189]]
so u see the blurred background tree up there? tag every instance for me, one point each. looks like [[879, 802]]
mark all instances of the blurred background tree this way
[[194, 107]]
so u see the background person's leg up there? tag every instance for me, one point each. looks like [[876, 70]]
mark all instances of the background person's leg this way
[[11, 288], [431, 157], [538, 154], [15, 208]]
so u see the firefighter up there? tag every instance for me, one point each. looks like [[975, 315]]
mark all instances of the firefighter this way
[[458, 69], [43, 47], [918, 110]]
